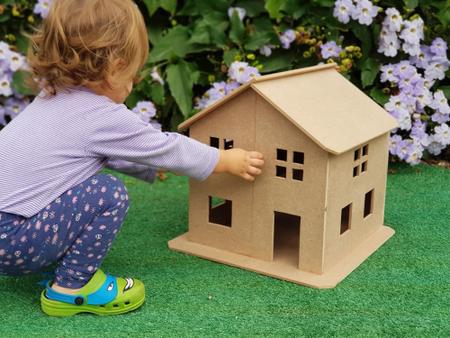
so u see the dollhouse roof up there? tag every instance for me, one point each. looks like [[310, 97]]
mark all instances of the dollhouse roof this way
[[322, 103]]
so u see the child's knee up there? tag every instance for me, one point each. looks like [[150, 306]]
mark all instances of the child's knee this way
[[112, 191]]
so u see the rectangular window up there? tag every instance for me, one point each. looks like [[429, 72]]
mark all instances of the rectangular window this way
[[364, 167], [365, 150], [297, 174], [214, 142], [281, 171], [299, 157], [346, 218], [281, 155], [355, 171], [368, 203], [220, 211], [228, 144], [357, 154]]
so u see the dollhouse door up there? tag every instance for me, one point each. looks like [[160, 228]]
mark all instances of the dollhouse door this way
[[286, 240]]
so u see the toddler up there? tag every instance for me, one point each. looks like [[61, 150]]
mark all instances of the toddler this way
[[54, 205]]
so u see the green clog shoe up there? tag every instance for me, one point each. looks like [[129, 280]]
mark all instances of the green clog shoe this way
[[102, 295]]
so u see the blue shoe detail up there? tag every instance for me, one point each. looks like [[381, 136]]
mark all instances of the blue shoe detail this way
[[105, 294]]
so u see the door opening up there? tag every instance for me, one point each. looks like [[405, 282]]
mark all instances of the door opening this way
[[286, 242]]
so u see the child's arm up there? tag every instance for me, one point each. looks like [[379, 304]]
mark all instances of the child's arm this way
[[137, 170], [118, 134]]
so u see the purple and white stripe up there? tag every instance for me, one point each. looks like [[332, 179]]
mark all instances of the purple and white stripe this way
[[60, 141]]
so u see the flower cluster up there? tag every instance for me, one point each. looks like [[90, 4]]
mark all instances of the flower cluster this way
[[361, 10], [419, 112], [10, 62], [395, 30], [238, 73]]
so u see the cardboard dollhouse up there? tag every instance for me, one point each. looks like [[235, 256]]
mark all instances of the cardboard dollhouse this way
[[316, 212]]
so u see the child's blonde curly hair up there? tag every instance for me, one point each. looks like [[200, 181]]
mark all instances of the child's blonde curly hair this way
[[84, 42]]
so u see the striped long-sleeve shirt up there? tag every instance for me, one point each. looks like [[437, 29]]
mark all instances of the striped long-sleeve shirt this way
[[59, 141]]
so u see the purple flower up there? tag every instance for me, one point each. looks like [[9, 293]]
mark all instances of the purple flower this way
[[435, 147], [287, 38], [2, 116], [388, 43], [4, 50], [5, 85], [241, 12], [422, 58], [393, 20], [442, 134], [437, 69], [439, 102], [364, 12], [404, 69], [394, 140], [343, 10], [330, 49], [16, 61], [404, 148], [14, 107], [387, 73], [266, 50], [439, 47], [242, 72], [423, 96], [42, 8], [230, 86], [415, 153], [156, 77], [412, 49], [145, 110], [412, 32]]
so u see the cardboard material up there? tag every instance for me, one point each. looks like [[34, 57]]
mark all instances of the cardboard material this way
[[316, 212]]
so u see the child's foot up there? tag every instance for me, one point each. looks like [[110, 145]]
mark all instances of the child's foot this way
[[67, 291], [102, 295]]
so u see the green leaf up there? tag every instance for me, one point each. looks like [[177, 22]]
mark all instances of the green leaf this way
[[379, 96], [152, 6], [446, 90], [180, 84], [19, 83], [169, 5], [253, 7], [274, 7], [411, 4], [157, 94], [237, 32], [229, 56], [363, 34], [174, 44], [279, 60], [369, 70]]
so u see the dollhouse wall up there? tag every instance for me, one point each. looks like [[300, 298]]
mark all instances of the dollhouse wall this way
[[275, 197], [234, 122], [351, 176]]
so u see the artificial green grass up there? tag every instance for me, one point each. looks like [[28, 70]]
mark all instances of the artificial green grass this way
[[402, 290]]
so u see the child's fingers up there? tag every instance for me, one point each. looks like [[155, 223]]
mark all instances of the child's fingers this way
[[256, 154], [247, 177], [256, 163], [254, 171]]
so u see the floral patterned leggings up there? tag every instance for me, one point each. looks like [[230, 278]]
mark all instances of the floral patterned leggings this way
[[75, 231]]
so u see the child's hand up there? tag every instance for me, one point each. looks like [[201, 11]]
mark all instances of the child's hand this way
[[239, 162]]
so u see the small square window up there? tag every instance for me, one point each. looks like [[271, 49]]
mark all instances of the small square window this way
[[365, 150], [281, 155], [299, 157], [357, 154], [281, 171], [355, 171], [214, 142], [228, 144], [364, 167], [297, 174]]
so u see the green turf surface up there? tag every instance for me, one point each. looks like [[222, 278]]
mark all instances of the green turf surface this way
[[403, 290]]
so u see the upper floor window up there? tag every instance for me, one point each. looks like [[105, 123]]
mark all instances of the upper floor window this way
[[215, 142], [289, 164], [360, 159]]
